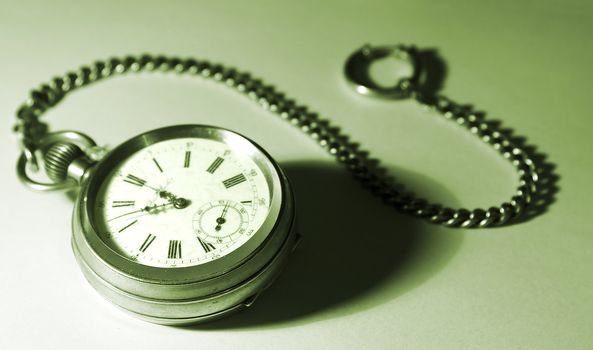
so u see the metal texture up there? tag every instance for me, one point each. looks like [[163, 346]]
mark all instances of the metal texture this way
[[57, 161], [190, 294], [357, 71], [30, 130]]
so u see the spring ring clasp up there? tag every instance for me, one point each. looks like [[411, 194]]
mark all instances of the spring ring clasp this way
[[358, 76]]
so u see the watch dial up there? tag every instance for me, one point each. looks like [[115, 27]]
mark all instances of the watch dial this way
[[182, 202]]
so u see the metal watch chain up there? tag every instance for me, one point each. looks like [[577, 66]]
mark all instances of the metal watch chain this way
[[60, 149]]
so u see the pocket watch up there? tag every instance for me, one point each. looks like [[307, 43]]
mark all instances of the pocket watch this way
[[189, 223], [183, 224]]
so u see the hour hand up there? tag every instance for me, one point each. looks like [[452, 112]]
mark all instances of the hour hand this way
[[178, 202]]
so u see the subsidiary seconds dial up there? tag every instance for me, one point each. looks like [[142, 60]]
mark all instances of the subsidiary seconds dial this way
[[182, 202], [222, 222]]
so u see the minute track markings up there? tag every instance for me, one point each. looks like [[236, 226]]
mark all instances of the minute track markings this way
[[137, 190]]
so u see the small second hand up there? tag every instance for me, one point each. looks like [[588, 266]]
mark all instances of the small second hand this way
[[221, 220]]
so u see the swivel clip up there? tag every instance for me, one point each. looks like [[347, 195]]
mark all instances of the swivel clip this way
[[357, 71]]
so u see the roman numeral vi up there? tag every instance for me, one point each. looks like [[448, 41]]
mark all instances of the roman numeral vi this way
[[174, 249]]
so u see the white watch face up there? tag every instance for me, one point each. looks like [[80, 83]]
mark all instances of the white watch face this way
[[182, 202]]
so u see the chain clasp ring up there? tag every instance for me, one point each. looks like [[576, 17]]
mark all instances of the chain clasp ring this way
[[357, 74]]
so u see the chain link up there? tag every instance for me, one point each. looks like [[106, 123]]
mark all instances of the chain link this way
[[31, 130]]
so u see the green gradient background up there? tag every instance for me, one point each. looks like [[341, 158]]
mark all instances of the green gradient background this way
[[396, 282]]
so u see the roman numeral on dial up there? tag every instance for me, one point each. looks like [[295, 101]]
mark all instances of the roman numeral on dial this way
[[117, 204], [187, 159], [134, 180], [235, 180], [208, 247], [174, 249], [215, 164], [128, 225], [147, 242], [157, 164]]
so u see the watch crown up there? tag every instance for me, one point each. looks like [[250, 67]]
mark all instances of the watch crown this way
[[58, 158]]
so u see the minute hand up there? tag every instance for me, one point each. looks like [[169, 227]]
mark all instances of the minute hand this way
[[147, 209]]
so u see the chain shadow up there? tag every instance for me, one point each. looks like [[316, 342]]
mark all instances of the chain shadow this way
[[356, 252], [434, 71]]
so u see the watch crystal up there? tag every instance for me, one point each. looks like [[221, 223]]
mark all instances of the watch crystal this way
[[182, 202]]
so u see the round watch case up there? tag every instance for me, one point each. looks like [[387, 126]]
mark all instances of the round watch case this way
[[191, 294]]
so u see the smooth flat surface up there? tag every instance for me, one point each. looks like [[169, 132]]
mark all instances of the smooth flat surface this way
[[365, 276]]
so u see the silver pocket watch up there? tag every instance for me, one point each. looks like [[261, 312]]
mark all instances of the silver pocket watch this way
[[183, 224], [189, 223]]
